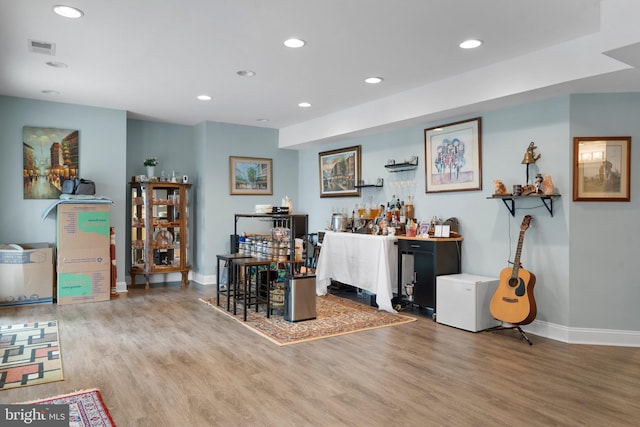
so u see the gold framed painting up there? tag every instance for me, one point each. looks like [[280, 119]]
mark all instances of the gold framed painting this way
[[453, 156], [340, 172], [250, 176], [602, 169]]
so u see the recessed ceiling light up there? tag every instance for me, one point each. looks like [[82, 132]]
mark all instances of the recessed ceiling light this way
[[50, 92], [262, 120], [294, 43], [68, 11], [246, 73], [373, 80], [304, 105], [470, 44], [56, 64], [204, 97]]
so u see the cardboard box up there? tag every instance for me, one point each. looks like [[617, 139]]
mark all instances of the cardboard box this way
[[26, 274], [84, 286], [84, 257], [83, 225], [83, 260]]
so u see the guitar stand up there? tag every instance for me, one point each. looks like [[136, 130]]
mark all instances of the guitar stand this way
[[522, 333]]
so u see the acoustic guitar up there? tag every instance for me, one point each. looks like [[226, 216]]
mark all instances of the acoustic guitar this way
[[513, 301]]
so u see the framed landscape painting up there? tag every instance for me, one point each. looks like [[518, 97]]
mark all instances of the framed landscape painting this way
[[250, 176], [602, 169], [453, 157], [340, 172], [49, 156]]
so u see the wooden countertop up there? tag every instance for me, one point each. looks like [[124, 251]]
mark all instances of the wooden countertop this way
[[432, 239]]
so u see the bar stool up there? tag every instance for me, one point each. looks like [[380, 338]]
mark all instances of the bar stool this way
[[247, 288], [227, 258]]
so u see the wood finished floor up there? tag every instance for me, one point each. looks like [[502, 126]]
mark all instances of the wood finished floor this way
[[163, 358]]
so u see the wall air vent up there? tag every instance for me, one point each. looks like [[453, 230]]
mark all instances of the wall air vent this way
[[42, 47]]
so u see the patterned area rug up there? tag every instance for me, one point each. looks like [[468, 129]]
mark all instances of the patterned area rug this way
[[29, 354], [86, 408], [334, 316]]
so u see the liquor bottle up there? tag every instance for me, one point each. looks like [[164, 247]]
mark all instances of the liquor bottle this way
[[409, 207], [403, 213]]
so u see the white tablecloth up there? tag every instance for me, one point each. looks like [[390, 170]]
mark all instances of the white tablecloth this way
[[361, 260]]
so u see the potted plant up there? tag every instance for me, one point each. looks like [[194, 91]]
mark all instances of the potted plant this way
[[151, 164]]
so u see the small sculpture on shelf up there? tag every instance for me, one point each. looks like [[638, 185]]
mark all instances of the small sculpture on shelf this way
[[538, 183], [547, 186], [530, 157], [500, 189]]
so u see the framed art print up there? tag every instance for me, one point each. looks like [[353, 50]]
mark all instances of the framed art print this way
[[340, 172], [602, 168], [250, 176], [453, 157]]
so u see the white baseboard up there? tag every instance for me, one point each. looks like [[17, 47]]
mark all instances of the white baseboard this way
[[584, 335], [205, 279]]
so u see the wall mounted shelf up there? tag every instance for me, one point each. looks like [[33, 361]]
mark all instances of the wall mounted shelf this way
[[380, 180], [399, 167], [510, 201]]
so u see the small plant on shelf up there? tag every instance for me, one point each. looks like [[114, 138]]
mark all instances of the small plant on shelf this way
[[151, 161]]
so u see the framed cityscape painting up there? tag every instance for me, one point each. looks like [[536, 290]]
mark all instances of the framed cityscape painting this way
[[250, 176], [49, 156], [340, 172]]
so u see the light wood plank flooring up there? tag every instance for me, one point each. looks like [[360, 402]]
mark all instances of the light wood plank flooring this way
[[163, 358]]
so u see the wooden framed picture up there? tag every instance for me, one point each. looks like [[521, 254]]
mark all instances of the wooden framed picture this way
[[340, 172], [453, 157], [250, 176], [602, 168]]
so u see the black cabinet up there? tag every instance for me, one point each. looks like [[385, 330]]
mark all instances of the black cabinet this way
[[431, 258]]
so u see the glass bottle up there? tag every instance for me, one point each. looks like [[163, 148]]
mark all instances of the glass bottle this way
[[409, 208]]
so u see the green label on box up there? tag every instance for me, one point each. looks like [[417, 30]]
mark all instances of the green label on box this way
[[94, 222], [73, 284]]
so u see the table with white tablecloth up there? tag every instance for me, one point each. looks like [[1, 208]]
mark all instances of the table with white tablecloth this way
[[361, 260]]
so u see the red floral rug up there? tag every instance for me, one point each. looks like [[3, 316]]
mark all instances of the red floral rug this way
[[86, 408], [29, 354]]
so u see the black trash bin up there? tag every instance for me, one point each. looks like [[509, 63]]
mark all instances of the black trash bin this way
[[300, 298]]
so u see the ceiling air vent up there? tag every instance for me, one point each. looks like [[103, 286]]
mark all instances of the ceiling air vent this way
[[42, 47]]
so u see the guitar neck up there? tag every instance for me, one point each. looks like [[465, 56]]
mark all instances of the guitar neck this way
[[516, 261]]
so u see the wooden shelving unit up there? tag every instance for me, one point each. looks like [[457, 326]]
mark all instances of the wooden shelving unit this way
[[159, 230]]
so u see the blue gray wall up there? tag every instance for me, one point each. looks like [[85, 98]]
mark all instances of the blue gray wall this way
[[103, 154]]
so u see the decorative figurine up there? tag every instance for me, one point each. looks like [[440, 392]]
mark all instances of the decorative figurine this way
[[501, 190], [530, 157], [538, 182], [547, 186]]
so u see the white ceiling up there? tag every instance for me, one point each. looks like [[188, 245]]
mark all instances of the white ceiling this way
[[152, 58]]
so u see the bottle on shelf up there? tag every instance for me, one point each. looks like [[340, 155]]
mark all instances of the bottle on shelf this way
[[409, 207]]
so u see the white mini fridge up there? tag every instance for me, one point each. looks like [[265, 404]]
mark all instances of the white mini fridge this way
[[463, 301]]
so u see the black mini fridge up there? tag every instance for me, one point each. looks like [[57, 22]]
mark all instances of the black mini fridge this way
[[300, 298]]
